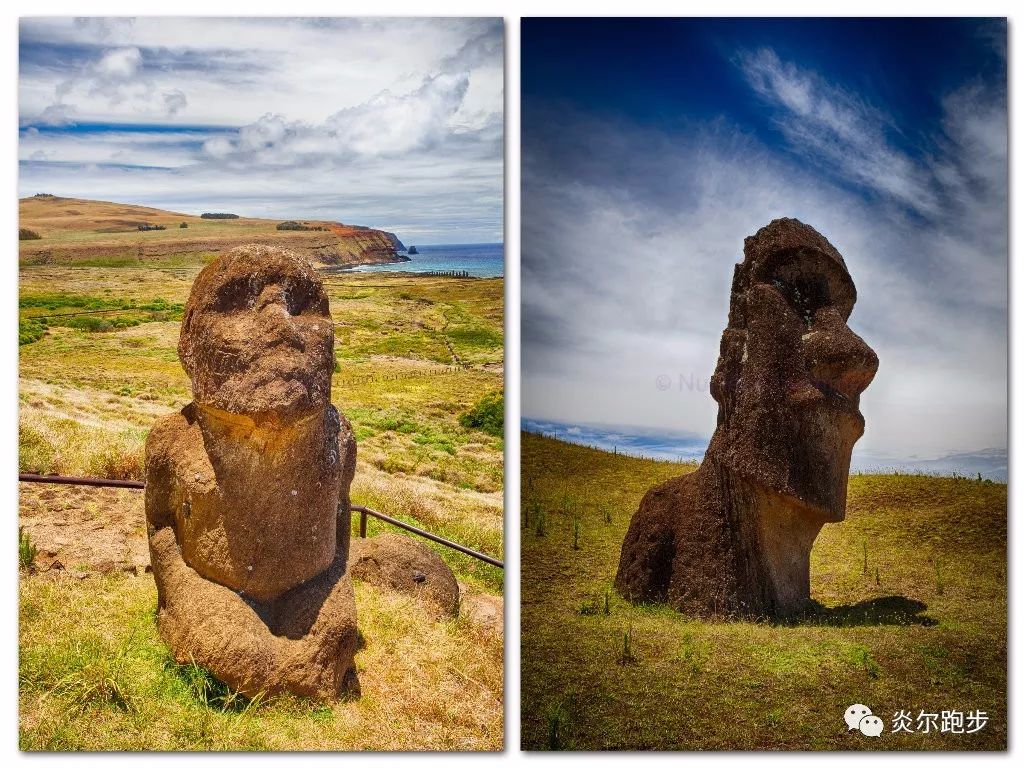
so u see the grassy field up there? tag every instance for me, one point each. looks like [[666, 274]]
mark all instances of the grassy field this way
[[913, 612], [415, 354], [97, 233]]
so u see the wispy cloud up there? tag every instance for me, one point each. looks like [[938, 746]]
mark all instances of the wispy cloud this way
[[630, 235], [833, 126]]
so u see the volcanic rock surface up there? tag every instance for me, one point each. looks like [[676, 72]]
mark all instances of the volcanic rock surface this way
[[734, 538], [247, 487], [399, 563]]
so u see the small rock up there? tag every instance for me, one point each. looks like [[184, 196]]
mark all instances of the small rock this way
[[397, 562]]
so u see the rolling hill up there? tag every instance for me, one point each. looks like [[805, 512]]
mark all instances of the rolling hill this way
[[96, 233]]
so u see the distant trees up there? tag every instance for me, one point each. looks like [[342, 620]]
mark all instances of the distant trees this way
[[150, 227], [183, 225], [28, 234], [219, 216], [295, 226]]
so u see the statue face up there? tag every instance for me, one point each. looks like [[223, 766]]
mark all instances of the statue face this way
[[257, 335], [790, 377]]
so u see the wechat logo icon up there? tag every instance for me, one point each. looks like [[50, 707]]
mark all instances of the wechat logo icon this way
[[859, 717]]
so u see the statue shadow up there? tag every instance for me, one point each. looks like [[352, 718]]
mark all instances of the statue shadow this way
[[893, 610]]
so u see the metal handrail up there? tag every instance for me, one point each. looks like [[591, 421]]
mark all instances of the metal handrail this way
[[364, 511], [99, 482], [106, 482]]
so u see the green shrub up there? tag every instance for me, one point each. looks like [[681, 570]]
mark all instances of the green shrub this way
[[488, 415], [183, 225], [30, 330], [29, 234], [295, 226]]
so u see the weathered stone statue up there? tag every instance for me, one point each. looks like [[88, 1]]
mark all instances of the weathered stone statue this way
[[247, 487], [734, 538]]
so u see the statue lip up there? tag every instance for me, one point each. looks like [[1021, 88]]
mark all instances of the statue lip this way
[[841, 404], [812, 392]]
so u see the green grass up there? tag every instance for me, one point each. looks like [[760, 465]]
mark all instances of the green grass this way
[[898, 641], [27, 551], [90, 313], [94, 674], [487, 415]]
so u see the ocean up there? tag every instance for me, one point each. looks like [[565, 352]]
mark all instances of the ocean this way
[[478, 259], [671, 445]]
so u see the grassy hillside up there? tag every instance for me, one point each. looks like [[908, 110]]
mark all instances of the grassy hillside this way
[[98, 365], [921, 625], [101, 234]]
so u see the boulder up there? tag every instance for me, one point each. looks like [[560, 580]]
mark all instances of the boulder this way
[[393, 561]]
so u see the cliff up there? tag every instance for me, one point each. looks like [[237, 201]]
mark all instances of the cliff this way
[[75, 230]]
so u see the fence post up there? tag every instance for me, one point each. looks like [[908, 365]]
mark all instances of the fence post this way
[[362, 525]]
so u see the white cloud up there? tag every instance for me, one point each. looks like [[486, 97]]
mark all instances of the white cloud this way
[[627, 263], [386, 122], [233, 69], [839, 129], [119, 63], [174, 101]]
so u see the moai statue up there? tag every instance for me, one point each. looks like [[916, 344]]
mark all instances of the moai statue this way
[[734, 538], [247, 487]]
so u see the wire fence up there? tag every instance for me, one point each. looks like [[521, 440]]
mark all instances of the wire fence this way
[[364, 512]]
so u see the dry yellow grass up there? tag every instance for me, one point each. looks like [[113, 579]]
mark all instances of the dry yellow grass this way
[[95, 676]]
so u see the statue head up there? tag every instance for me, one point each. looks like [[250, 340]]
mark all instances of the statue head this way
[[257, 336], [790, 370]]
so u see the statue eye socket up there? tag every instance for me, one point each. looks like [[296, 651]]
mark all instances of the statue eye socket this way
[[304, 299], [806, 295], [236, 295]]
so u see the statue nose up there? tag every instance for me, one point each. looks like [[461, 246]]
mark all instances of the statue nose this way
[[272, 305], [838, 357]]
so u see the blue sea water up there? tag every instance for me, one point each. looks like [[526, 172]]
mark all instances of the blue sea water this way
[[673, 445], [478, 259]]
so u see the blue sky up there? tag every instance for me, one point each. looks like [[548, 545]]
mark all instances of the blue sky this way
[[391, 123], [651, 148]]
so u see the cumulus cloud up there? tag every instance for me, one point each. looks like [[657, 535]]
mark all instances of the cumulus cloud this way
[[394, 123], [119, 64], [56, 114], [388, 124], [174, 101], [115, 76]]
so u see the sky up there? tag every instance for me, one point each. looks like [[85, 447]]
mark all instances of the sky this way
[[390, 123], [651, 148]]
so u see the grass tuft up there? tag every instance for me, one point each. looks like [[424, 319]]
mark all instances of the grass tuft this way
[[27, 551]]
